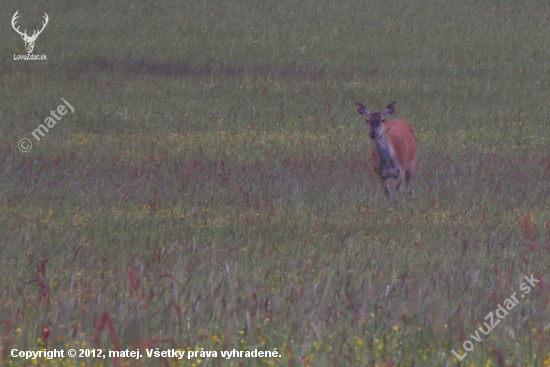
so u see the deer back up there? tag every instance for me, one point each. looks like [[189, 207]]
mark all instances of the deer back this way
[[400, 136]]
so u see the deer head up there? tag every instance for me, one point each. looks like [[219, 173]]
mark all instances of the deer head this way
[[29, 40]]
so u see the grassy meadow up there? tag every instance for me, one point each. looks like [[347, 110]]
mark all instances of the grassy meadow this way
[[213, 191]]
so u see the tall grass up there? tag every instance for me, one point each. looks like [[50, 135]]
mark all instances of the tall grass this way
[[213, 188]]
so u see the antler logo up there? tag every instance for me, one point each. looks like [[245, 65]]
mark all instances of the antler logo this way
[[29, 40]]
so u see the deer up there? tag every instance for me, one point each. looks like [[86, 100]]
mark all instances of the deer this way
[[394, 147], [29, 40]]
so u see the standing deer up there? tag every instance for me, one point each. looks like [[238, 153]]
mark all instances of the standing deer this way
[[393, 152], [29, 40]]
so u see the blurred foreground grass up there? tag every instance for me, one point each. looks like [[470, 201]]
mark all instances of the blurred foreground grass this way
[[213, 187]]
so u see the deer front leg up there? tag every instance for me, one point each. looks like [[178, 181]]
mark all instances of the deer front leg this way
[[390, 173], [398, 180], [385, 186], [385, 174]]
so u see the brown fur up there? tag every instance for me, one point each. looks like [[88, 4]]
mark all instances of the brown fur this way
[[403, 142], [394, 146]]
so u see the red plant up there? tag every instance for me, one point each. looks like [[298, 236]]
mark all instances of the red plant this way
[[44, 288], [46, 333], [528, 229], [106, 321], [246, 196], [8, 340], [132, 275]]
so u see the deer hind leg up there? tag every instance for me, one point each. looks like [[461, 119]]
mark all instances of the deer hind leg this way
[[398, 179], [408, 176]]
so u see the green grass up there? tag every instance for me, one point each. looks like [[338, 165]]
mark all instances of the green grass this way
[[213, 188]]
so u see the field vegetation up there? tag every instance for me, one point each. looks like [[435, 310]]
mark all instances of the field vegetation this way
[[213, 187]]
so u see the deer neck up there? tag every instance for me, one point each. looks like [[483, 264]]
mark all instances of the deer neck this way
[[385, 152]]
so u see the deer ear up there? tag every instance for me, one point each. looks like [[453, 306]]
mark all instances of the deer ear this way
[[362, 109], [390, 108]]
